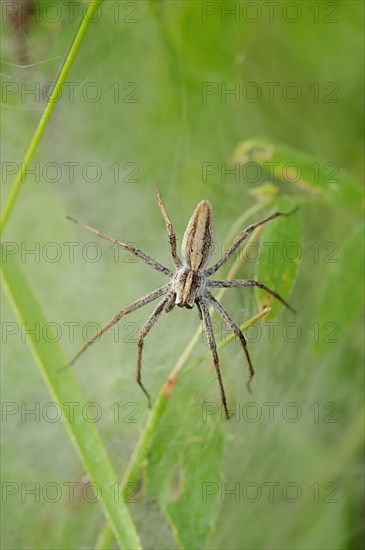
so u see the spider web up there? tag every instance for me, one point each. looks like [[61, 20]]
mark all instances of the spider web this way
[[202, 483]]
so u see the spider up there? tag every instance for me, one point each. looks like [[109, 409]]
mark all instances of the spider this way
[[189, 284]]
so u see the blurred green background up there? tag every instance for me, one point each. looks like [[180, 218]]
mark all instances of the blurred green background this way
[[151, 125]]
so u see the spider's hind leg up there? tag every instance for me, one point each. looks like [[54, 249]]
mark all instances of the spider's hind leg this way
[[170, 232]]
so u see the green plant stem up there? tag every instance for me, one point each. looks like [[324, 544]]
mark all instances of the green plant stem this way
[[20, 176], [64, 390]]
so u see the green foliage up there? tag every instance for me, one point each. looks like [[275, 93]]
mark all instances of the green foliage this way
[[278, 270], [301, 171], [342, 295], [172, 477], [193, 146], [64, 390]]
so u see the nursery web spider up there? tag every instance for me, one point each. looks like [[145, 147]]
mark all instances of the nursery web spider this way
[[189, 283]]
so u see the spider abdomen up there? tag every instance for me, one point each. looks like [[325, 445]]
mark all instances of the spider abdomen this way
[[198, 238]]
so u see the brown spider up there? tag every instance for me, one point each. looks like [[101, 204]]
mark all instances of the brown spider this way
[[189, 284]]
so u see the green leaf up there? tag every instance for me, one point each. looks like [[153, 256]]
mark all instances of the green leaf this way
[[343, 294], [279, 261], [301, 171], [183, 471], [63, 388]]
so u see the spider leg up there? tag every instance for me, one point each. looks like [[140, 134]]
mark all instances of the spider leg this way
[[207, 324], [241, 237], [200, 313], [249, 282], [161, 307], [235, 328], [128, 309], [133, 249], [170, 232]]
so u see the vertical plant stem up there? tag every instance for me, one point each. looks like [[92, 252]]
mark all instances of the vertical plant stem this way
[[64, 390], [20, 176]]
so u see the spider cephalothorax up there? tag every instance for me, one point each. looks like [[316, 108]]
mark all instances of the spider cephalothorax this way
[[190, 283]]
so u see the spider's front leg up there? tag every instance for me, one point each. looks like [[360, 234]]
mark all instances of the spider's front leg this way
[[207, 324], [164, 305], [128, 309], [237, 331]]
